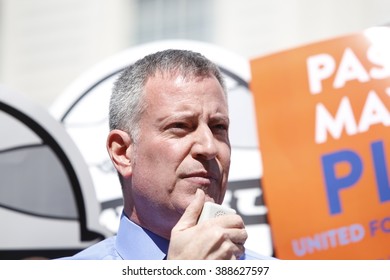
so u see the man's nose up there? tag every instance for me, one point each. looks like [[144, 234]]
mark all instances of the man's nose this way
[[205, 145]]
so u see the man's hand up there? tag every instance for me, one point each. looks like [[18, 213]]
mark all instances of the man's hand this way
[[220, 238]]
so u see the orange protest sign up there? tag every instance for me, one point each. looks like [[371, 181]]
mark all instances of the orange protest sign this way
[[323, 116]]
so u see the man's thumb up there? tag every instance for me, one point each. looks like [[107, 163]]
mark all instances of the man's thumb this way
[[191, 214]]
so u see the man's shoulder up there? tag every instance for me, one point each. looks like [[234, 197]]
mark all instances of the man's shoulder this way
[[103, 250]]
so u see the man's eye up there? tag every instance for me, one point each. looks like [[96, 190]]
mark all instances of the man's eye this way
[[179, 125], [221, 127]]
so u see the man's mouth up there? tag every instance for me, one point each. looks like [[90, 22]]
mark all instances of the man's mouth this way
[[201, 177]]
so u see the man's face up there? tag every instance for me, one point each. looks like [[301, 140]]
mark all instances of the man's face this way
[[183, 145]]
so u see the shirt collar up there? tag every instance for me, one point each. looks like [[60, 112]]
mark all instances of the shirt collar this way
[[136, 243]]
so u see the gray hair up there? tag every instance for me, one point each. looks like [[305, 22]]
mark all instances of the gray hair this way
[[127, 103]]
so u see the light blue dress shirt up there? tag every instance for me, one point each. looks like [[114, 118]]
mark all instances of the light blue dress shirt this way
[[133, 242]]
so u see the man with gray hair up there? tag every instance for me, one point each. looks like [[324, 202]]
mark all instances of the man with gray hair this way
[[169, 143]]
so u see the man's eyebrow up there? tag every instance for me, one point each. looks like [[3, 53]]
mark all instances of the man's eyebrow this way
[[176, 116], [190, 115], [221, 117]]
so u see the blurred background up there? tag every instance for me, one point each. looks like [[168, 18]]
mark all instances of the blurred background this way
[[46, 44]]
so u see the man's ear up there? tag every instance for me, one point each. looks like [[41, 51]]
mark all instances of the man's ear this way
[[119, 147]]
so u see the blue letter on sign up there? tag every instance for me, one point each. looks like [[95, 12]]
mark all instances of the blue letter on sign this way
[[380, 166], [335, 184]]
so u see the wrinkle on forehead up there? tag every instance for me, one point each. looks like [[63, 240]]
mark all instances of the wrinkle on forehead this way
[[161, 90]]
